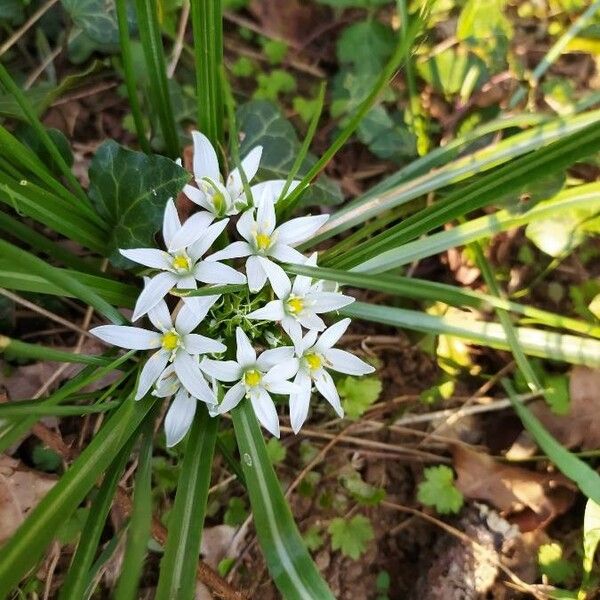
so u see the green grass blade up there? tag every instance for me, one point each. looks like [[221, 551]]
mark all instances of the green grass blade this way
[[432, 291], [138, 531], [114, 292], [489, 189], [21, 553], [544, 344], [147, 12], [396, 192], [230, 288], [586, 478], [178, 565], [288, 560], [75, 585], [14, 90], [32, 264], [129, 72], [581, 197], [37, 409], [207, 27]]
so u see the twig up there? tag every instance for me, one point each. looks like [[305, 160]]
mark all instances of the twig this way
[[178, 46]]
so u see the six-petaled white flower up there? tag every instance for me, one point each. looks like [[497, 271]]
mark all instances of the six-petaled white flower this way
[[264, 239], [175, 344], [314, 355], [256, 378], [180, 267], [297, 305]]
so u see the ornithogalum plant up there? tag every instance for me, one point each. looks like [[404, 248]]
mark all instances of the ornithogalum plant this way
[[239, 308]]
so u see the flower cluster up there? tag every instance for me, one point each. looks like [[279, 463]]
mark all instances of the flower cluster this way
[[192, 366]]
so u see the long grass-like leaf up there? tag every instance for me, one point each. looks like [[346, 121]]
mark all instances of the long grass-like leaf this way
[[178, 565], [27, 545], [289, 563], [37, 408]]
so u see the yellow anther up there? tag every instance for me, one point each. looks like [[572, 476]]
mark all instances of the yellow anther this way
[[181, 262], [314, 361], [295, 305], [170, 340], [252, 378], [263, 241]]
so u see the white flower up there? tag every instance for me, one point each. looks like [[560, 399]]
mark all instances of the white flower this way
[[263, 239], [313, 357], [211, 194], [256, 378], [297, 305], [181, 267], [176, 344]]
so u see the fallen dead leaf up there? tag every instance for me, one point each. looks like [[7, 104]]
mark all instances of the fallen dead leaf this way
[[21, 489], [531, 499], [580, 427]]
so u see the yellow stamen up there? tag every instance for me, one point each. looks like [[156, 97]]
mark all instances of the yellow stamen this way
[[252, 378], [263, 241], [218, 201], [181, 262], [314, 361], [170, 340], [295, 305]]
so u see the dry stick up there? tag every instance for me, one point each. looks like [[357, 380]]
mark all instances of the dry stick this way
[[42, 311], [42, 67], [51, 569], [465, 538], [178, 46], [14, 38]]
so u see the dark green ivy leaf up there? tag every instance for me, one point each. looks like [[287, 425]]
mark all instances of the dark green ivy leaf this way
[[129, 190], [261, 123]]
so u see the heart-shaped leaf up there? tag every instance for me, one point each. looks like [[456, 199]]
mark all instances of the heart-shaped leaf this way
[[129, 190]]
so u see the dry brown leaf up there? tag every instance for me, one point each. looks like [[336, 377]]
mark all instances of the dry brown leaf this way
[[20, 490], [530, 498], [580, 427]]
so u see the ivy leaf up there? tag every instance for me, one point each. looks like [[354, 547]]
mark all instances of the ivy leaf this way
[[97, 19], [262, 123], [438, 490], [367, 41], [351, 535], [358, 394], [129, 190]]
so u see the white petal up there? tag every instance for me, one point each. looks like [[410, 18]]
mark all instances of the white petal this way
[[188, 371], [280, 282], [223, 370], [292, 327], [325, 385], [264, 409], [245, 353], [154, 291], [274, 356], [302, 283], [192, 312], [301, 229], [160, 316], [272, 311], [255, 274], [206, 163], [200, 344], [149, 257], [308, 341], [179, 417], [191, 231], [286, 254], [186, 282], [332, 334], [249, 165], [246, 225], [152, 370], [271, 190], [132, 338], [284, 370], [300, 402], [171, 222], [216, 272], [232, 398], [234, 250], [284, 388], [199, 197], [197, 249], [346, 362], [265, 216], [328, 301], [309, 320]]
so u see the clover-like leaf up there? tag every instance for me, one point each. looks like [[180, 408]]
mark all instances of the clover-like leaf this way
[[262, 123], [351, 535], [129, 190], [438, 490]]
